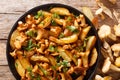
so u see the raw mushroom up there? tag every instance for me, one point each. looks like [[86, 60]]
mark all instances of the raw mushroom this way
[[108, 49], [116, 49], [106, 65], [105, 32], [99, 12]]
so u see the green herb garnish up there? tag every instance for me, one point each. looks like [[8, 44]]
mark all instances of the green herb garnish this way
[[55, 15], [61, 35], [29, 69], [31, 33], [53, 23], [43, 70], [58, 58], [30, 45], [72, 29], [39, 14], [69, 18], [52, 48]]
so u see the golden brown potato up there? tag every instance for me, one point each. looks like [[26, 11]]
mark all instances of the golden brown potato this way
[[24, 62], [93, 57], [39, 58], [84, 32], [13, 37], [65, 40], [19, 68], [91, 42], [85, 59], [60, 11], [45, 23]]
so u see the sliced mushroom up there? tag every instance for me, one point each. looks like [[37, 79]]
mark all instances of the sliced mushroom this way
[[106, 65], [108, 50]]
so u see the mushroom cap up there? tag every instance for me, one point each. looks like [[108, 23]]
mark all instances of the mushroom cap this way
[[104, 31]]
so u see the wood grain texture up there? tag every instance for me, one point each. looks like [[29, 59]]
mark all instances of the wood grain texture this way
[[11, 10]]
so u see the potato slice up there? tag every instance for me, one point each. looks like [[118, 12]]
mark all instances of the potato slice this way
[[84, 32], [85, 58], [24, 62], [39, 58], [60, 21], [46, 14], [19, 68], [45, 23], [91, 42], [52, 60], [93, 57], [13, 37], [60, 11], [65, 40], [62, 52]]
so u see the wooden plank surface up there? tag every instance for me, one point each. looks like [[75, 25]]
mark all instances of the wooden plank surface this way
[[11, 10]]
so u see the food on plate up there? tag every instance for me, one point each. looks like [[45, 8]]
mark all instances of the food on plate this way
[[53, 45]]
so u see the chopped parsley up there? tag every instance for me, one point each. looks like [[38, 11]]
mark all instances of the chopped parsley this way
[[72, 29], [31, 33], [52, 48], [55, 15], [43, 70], [69, 18], [39, 14], [61, 35], [29, 69], [30, 45], [53, 23]]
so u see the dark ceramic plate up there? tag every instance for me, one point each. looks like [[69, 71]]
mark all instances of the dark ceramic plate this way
[[91, 70]]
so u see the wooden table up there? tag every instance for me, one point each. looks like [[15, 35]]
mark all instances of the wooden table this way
[[11, 10]]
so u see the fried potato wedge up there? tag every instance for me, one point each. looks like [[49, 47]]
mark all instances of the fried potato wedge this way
[[45, 23], [93, 57], [91, 42], [85, 58], [19, 68], [65, 40], [63, 54], [24, 62], [13, 37], [84, 32], [39, 58], [60, 11]]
